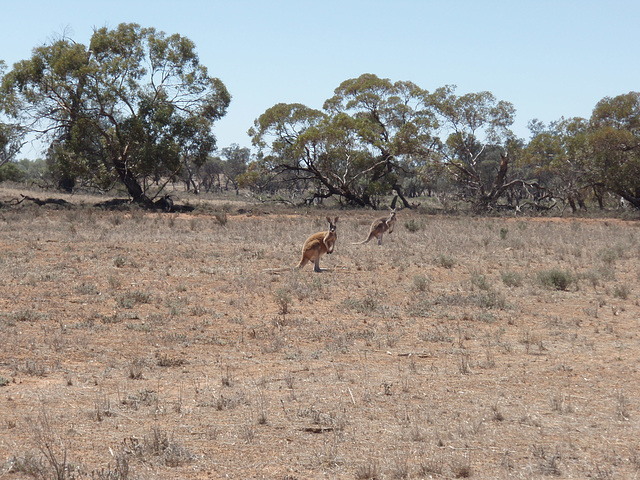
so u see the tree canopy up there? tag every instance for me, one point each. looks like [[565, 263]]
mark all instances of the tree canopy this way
[[356, 146], [599, 154], [134, 104], [615, 140], [373, 135], [11, 134]]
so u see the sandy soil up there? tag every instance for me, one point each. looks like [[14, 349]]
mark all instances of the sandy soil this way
[[151, 345]]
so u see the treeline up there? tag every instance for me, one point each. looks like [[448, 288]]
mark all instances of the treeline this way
[[219, 173], [135, 109], [375, 137]]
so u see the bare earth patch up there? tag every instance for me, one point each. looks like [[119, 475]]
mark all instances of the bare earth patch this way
[[152, 345]]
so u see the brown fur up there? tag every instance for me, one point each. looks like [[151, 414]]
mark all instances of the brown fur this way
[[379, 227], [318, 244]]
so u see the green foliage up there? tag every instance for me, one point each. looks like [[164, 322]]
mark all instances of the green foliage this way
[[11, 134], [235, 163], [283, 300], [561, 155], [489, 299], [511, 279], [480, 281], [421, 283], [32, 170], [476, 143], [615, 141], [412, 225], [578, 155], [357, 147], [366, 305], [446, 261], [10, 171], [556, 279], [621, 291], [131, 299], [375, 136], [609, 256], [132, 104]]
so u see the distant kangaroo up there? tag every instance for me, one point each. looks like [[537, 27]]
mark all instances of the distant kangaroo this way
[[318, 244], [379, 227]]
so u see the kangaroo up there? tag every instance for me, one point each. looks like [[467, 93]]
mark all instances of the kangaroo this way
[[318, 244], [379, 227]]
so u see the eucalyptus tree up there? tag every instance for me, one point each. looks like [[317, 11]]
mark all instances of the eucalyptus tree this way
[[357, 146], [10, 142], [11, 134], [394, 126], [134, 104], [477, 144], [600, 154], [614, 138], [235, 163], [291, 144], [561, 156]]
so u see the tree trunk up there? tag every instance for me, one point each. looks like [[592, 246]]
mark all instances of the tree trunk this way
[[131, 183], [583, 205], [634, 200], [398, 190], [499, 183], [599, 194]]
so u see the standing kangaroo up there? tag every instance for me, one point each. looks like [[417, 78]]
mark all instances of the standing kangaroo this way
[[379, 227], [318, 244]]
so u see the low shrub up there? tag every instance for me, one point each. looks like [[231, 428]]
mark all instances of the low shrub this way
[[556, 279]]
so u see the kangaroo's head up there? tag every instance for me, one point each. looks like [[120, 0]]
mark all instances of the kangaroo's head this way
[[332, 225], [392, 216]]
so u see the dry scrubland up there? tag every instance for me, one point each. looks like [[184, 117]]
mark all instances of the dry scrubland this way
[[150, 346]]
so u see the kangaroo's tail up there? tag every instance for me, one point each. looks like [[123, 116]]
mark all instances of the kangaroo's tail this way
[[362, 242]]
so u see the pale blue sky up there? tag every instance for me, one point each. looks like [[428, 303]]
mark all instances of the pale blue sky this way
[[548, 58]]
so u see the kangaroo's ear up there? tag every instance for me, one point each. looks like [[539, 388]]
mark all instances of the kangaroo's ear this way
[[336, 220], [328, 219]]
